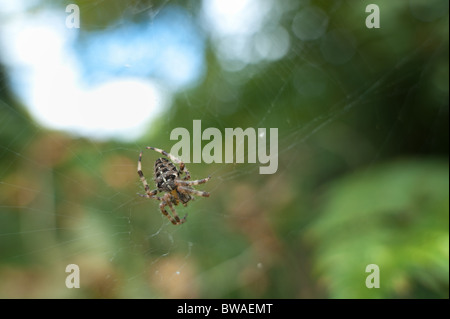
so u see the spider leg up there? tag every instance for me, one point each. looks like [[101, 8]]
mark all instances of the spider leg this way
[[173, 159], [165, 213], [185, 170], [177, 218], [170, 156], [149, 194], [189, 183], [167, 202], [193, 191]]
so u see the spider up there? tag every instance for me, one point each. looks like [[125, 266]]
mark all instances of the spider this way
[[168, 179]]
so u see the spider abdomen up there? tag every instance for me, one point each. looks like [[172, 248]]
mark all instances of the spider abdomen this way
[[165, 175]]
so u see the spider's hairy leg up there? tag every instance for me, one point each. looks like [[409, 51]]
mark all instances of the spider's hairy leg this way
[[167, 202], [170, 156], [151, 194], [173, 159], [193, 191], [177, 218], [197, 182], [143, 180], [185, 170], [165, 213]]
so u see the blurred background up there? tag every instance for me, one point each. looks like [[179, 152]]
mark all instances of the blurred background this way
[[362, 118]]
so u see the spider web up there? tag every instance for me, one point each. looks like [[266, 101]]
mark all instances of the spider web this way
[[69, 198]]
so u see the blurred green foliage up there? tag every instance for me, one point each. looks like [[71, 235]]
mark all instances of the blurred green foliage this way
[[363, 176], [395, 216]]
